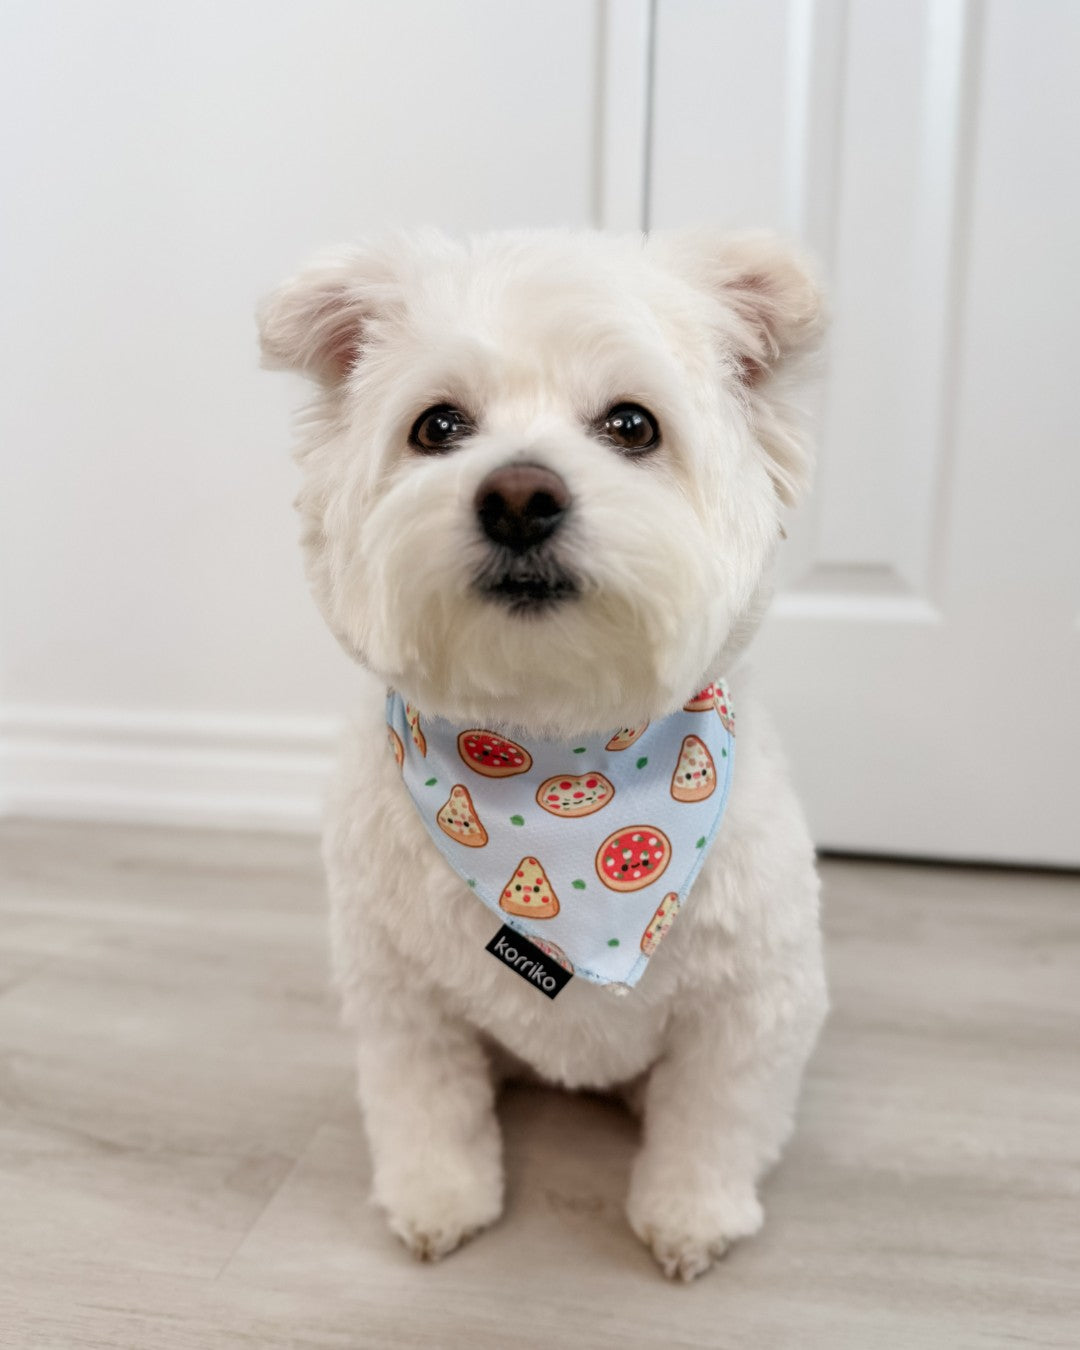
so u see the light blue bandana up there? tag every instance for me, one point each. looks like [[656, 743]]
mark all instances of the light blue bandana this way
[[587, 848]]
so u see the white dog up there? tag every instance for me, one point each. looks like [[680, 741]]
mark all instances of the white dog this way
[[542, 490]]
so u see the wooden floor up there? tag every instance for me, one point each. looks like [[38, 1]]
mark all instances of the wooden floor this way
[[181, 1163]]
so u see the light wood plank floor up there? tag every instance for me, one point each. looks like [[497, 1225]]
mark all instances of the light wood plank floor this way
[[181, 1164]]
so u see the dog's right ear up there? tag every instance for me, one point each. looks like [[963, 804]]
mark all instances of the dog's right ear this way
[[314, 323], [772, 323]]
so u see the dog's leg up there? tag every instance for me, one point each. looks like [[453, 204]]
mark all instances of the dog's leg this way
[[718, 1107], [429, 1108]]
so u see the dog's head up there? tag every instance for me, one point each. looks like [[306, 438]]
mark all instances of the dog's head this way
[[543, 473]]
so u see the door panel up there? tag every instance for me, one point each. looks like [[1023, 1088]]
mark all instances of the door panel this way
[[924, 653]]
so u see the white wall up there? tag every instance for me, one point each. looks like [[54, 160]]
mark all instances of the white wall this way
[[165, 164]]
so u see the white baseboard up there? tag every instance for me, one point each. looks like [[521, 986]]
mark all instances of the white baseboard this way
[[165, 768]]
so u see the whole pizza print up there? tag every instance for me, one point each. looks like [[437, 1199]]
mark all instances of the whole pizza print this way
[[633, 857], [492, 755]]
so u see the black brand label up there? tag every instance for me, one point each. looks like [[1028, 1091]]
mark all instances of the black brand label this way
[[541, 971]]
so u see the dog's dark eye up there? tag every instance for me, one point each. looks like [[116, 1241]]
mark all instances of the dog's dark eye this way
[[439, 428], [630, 428]]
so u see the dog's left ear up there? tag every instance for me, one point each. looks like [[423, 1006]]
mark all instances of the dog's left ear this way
[[314, 323], [771, 323]]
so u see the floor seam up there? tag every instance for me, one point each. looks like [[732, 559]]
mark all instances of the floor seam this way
[[271, 1198]]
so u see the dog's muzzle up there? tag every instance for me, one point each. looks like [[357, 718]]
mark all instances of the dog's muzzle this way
[[520, 507]]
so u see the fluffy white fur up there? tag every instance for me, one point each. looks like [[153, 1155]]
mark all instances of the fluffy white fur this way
[[535, 335]]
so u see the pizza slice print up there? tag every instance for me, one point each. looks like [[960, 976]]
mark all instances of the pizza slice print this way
[[701, 702], [722, 704], [625, 737], [694, 778], [418, 738], [556, 953], [396, 747], [457, 818], [660, 922], [528, 893]]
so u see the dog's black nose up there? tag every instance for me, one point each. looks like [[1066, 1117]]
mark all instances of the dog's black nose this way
[[521, 505]]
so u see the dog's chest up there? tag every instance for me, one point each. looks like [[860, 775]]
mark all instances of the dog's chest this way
[[589, 1036], [437, 931]]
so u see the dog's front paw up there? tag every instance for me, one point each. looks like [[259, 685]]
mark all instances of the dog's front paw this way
[[435, 1209], [687, 1230]]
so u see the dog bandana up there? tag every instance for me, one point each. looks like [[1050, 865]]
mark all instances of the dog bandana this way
[[587, 848]]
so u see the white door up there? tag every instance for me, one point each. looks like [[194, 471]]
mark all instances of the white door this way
[[924, 654]]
